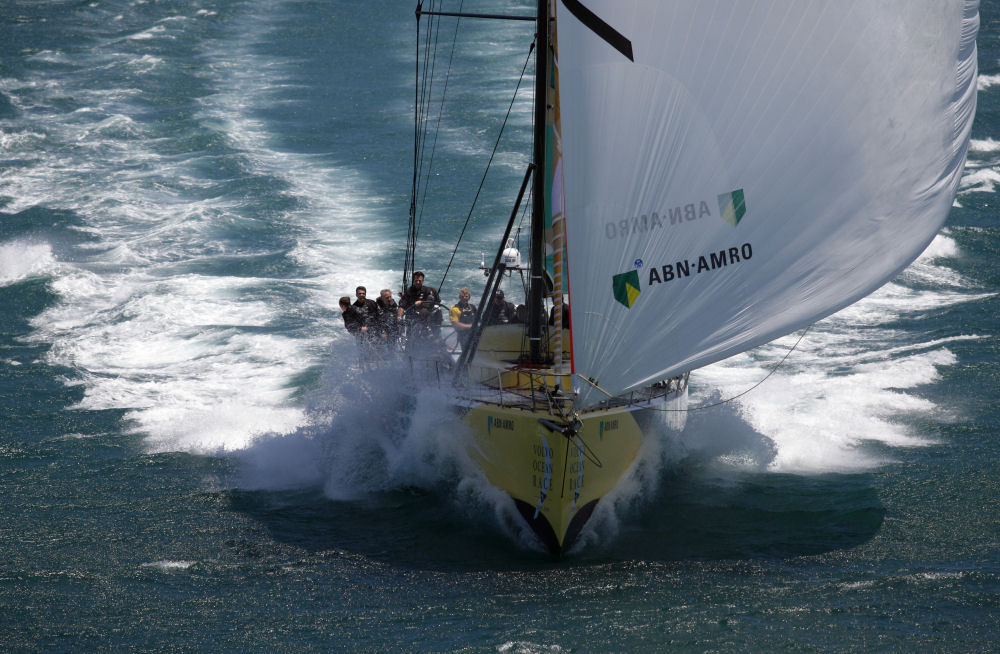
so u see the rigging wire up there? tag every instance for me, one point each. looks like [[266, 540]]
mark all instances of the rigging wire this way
[[721, 402], [437, 127], [739, 395], [422, 118], [525, 213], [422, 93], [482, 182]]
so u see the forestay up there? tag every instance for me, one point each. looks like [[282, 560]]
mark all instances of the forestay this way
[[753, 168]]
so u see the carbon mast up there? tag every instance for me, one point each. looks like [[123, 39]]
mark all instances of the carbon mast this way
[[536, 284]]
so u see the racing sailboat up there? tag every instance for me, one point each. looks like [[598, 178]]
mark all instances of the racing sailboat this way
[[705, 177]]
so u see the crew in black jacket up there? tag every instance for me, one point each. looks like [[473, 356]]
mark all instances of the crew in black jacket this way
[[388, 320], [354, 321], [498, 311], [418, 300], [419, 308], [368, 310]]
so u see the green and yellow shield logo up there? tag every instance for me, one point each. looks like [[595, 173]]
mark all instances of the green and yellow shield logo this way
[[626, 287], [733, 206]]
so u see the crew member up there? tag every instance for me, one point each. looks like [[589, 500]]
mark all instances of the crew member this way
[[353, 320], [368, 310], [462, 315], [388, 319], [499, 311], [418, 300]]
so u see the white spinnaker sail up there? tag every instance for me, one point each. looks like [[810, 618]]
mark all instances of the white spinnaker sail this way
[[758, 166]]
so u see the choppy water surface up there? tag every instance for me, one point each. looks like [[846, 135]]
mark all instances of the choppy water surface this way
[[189, 462]]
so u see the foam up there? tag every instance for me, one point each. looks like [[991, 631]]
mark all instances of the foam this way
[[987, 145], [13, 141], [370, 434], [641, 480], [943, 246], [169, 566], [847, 384], [527, 647], [986, 81], [147, 34], [982, 180], [182, 354], [214, 427], [193, 359], [23, 259], [364, 434]]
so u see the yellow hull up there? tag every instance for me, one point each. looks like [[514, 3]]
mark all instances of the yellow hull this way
[[530, 442], [555, 477]]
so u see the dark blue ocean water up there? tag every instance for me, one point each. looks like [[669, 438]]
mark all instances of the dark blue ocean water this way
[[188, 461]]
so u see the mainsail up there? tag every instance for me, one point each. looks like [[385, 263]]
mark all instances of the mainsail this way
[[743, 169]]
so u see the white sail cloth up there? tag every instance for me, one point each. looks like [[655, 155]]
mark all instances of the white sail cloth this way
[[758, 166]]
